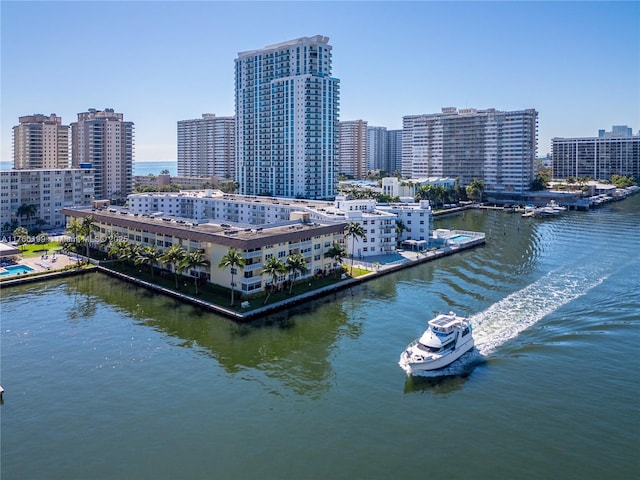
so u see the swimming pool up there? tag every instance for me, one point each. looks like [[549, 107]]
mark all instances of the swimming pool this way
[[459, 238], [16, 269]]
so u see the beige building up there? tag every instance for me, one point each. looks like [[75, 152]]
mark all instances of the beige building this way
[[40, 141], [35, 198], [102, 140], [352, 148], [298, 235], [206, 147]]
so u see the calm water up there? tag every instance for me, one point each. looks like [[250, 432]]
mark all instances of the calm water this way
[[107, 381], [154, 168], [139, 168]]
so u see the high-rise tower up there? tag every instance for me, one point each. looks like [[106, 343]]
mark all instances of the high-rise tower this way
[[496, 147], [206, 147], [103, 141], [40, 142], [287, 120]]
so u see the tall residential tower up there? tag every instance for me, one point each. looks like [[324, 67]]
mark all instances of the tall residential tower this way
[[352, 149], [287, 120], [102, 140], [496, 147], [40, 142], [206, 147]]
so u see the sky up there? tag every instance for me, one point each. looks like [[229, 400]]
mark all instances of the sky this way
[[158, 62]]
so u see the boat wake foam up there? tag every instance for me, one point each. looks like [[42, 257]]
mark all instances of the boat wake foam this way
[[504, 320]]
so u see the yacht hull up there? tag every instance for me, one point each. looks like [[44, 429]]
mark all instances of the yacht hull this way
[[435, 362]]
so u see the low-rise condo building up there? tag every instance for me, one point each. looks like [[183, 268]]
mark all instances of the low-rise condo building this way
[[295, 235]]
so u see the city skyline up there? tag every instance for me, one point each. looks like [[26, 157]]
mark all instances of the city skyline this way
[[576, 63]]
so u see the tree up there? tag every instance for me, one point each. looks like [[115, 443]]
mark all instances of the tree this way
[[173, 256], [107, 240], [121, 249], [400, 227], [40, 223], [232, 259], [74, 227], [194, 259], [337, 253], [274, 267], [87, 227], [295, 263], [27, 211], [164, 172], [148, 255], [21, 235], [354, 230], [475, 190]]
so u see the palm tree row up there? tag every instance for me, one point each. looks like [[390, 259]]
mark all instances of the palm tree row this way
[[175, 256]]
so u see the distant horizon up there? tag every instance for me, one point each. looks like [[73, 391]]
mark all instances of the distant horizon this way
[[173, 61]]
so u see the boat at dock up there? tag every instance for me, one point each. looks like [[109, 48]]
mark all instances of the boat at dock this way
[[446, 339]]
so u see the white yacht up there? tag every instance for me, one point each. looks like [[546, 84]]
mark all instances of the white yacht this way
[[446, 339]]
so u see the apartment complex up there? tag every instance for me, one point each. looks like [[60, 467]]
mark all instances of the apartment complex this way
[[40, 141], [206, 147], [102, 140], [610, 153], [35, 198], [242, 212], [352, 149], [297, 235], [494, 146], [287, 119]]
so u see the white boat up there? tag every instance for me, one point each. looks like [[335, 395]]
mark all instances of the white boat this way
[[446, 339], [553, 205]]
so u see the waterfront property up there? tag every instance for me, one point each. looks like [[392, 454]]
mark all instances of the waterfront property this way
[[379, 221], [610, 153], [295, 236]]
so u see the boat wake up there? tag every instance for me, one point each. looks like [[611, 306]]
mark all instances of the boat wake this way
[[504, 320]]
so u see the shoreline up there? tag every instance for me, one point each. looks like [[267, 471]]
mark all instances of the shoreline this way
[[409, 259]]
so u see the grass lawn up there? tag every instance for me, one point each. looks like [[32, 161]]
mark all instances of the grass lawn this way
[[35, 250]]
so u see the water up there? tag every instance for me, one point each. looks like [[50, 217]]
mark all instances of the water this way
[[105, 380], [139, 168], [154, 168], [13, 270]]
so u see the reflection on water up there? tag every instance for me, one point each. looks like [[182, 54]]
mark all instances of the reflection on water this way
[[293, 347]]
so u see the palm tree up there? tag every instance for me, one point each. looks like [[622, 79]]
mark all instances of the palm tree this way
[[74, 227], [174, 256], [353, 230], [107, 241], [121, 249], [273, 267], [40, 223], [28, 211], [87, 227], [295, 263], [194, 259], [400, 227], [232, 259], [337, 253], [148, 255]]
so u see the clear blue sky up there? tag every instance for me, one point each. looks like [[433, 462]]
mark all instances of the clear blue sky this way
[[157, 62]]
